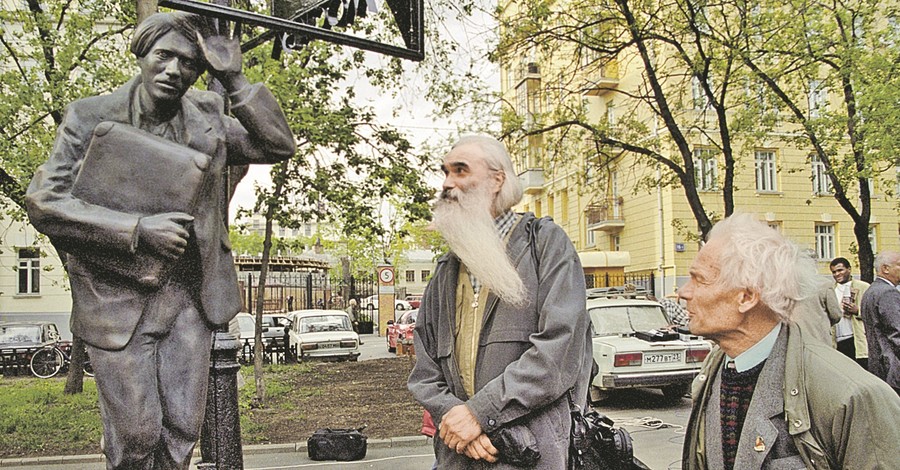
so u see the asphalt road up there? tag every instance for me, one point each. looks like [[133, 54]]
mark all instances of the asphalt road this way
[[656, 427]]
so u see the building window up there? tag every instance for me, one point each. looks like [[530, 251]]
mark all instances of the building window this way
[[818, 98], [611, 119], [820, 180], [425, 274], [873, 238], [614, 243], [537, 209], [589, 281], [551, 206], [824, 241], [765, 171], [410, 275], [706, 170], [564, 205], [29, 271], [698, 94], [774, 225], [589, 238]]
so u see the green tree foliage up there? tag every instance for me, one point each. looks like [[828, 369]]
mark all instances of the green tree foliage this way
[[831, 67], [52, 53], [688, 87], [728, 73]]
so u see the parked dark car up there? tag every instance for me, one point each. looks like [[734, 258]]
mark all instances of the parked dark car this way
[[19, 340]]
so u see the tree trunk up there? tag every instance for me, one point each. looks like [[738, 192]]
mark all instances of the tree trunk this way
[[75, 379], [260, 293], [145, 8]]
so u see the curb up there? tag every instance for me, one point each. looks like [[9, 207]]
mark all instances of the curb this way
[[252, 449]]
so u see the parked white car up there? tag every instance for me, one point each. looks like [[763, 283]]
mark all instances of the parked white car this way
[[634, 347], [246, 327], [371, 303], [323, 334]]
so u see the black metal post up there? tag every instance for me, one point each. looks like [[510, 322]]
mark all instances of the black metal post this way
[[220, 441], [309, 291], [220, 438]]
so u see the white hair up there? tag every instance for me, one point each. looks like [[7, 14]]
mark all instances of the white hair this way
[[497, 159], [884, 258], [758, 258]]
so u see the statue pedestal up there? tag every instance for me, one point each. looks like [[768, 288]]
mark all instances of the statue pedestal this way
[[220, 440]]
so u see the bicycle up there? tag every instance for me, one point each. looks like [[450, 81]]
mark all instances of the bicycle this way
[[49, 360]]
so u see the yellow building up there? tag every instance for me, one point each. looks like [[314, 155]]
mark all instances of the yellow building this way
[[618, 221]]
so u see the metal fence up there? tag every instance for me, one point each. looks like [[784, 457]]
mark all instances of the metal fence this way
[[640, 280], [288, 291]]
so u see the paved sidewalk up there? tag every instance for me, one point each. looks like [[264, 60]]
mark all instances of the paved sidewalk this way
[[399, 453]]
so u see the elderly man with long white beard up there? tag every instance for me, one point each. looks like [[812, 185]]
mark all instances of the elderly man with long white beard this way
[[503, 337]]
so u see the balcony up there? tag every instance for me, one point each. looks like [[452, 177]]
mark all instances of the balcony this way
[[532, 180], [602, 79], [529, 71], [605, 216]]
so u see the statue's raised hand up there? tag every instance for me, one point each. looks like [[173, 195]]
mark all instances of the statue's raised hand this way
[[223, 54]]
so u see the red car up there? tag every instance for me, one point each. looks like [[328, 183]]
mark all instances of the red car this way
[[402, 330], [414, 300]]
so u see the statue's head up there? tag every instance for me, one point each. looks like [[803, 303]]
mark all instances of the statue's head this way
[[168, 54]]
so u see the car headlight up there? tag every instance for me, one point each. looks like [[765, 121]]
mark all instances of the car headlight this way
[[309, 346], [348, 343]]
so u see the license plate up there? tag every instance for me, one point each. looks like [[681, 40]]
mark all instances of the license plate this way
[[329, 345], [662, 358]]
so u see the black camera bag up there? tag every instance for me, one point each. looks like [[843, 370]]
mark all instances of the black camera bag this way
[[596, 444], [337, 444]]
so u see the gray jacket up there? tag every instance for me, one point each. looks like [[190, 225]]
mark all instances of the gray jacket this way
[[528, 357], [880, 309]]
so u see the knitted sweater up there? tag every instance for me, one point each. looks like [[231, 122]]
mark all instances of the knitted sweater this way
[[736, 393]]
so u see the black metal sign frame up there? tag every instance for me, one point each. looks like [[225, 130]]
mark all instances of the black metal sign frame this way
[[415, 40]]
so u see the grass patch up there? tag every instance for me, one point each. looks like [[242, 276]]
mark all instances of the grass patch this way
[[36, 418]]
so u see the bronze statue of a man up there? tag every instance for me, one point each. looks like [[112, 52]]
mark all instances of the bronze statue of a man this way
[[150, 344]]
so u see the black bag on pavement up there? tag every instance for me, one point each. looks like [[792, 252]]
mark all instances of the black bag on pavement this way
[[337, 444], [595, 444]]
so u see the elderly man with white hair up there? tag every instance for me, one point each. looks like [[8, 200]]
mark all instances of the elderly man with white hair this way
[[881, 312], [769, 396], [502, 337]]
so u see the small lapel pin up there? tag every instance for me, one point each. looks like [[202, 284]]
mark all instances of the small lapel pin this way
[[760, 445]]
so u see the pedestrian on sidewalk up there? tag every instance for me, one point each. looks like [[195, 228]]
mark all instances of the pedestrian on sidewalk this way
[[503, 336]]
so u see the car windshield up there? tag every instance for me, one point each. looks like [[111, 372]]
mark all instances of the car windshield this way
[[20, 334], [409, 317], [320, 323], [247, 324], [626, 319]]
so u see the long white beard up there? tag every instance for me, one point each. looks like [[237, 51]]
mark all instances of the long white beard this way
[[465, 221]]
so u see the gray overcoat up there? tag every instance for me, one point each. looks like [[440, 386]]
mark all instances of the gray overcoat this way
[[528, 357]]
